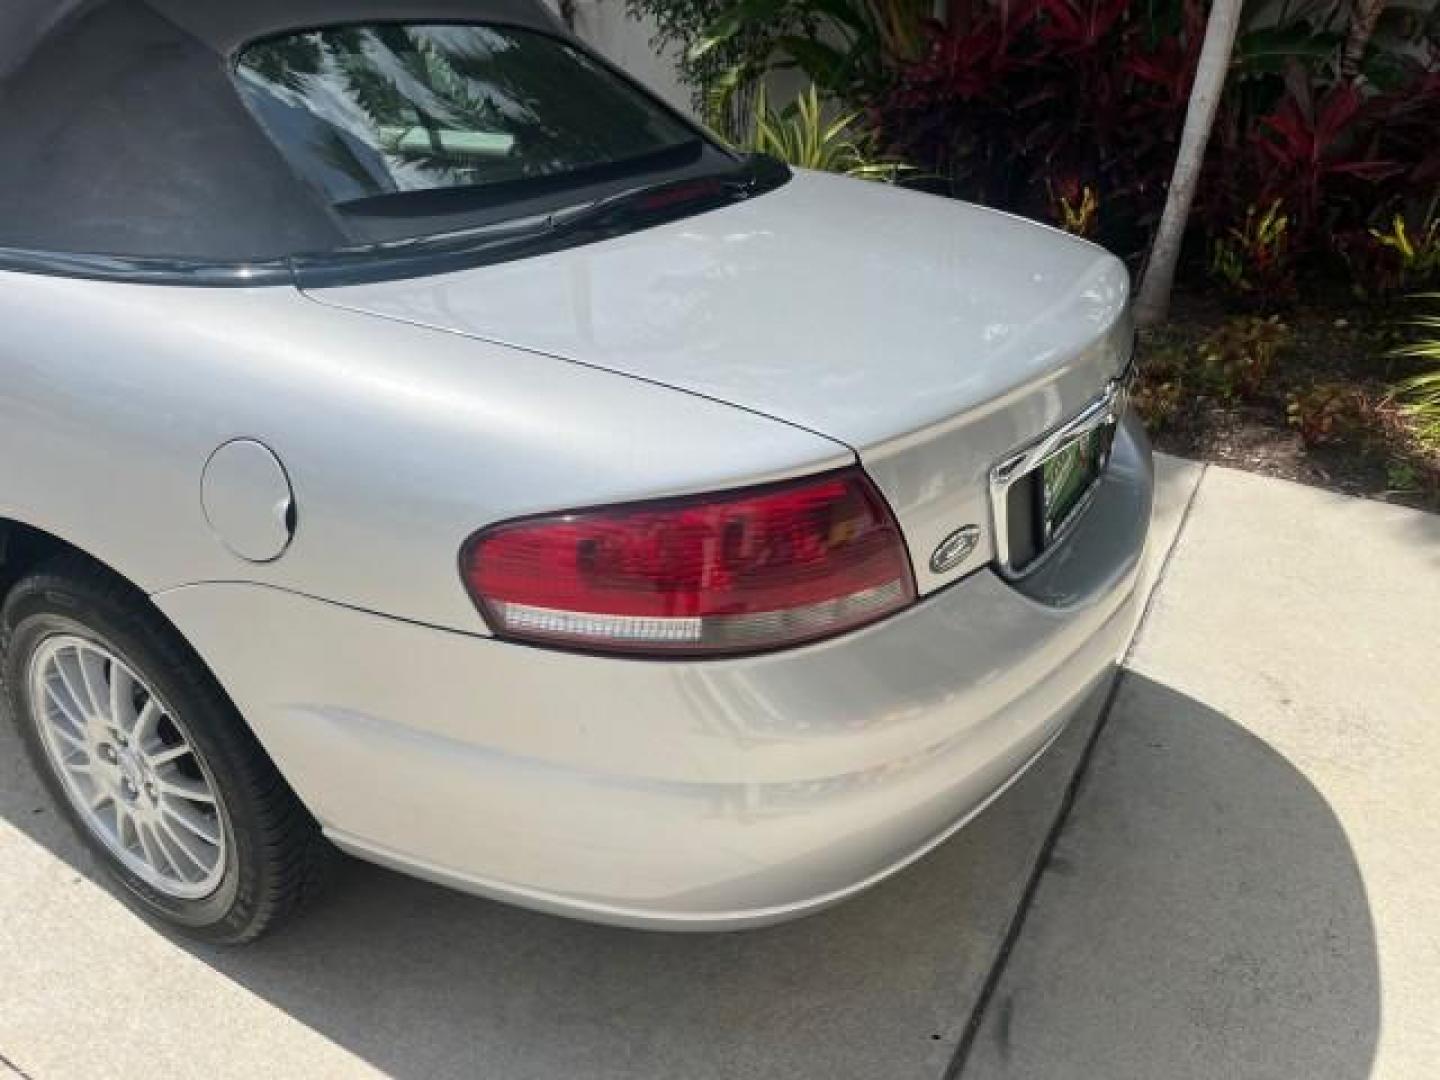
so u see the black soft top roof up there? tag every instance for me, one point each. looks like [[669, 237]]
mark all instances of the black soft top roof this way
[[122, 131]]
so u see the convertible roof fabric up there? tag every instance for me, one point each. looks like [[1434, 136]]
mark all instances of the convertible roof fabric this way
[[122, 131]]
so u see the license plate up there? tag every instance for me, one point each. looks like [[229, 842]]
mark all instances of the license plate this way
[[1067, 477]]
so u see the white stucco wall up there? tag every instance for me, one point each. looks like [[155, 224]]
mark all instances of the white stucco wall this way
[[626, 42]]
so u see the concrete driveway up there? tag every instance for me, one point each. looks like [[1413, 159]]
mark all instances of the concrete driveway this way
[[1226, 868]]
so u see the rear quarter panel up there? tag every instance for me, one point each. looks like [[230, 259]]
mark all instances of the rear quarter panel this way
[[399, 441]]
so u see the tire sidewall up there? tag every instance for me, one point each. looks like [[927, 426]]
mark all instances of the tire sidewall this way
[[33, 616]]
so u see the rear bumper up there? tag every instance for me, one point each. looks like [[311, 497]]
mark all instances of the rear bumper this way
[[678, 795]]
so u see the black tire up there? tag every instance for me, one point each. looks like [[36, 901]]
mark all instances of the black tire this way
[[277, 859]]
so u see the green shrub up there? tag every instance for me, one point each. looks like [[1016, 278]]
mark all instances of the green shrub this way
[[1236, 361], [1160, 402], [1420, 394], [801, 136], [1254, 260], [1162, 390], [1399, 259], [1327, 412], [720, 77]]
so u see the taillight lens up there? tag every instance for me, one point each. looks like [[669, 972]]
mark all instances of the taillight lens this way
[[730, 573]]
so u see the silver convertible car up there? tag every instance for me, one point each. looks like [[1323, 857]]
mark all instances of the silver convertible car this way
[[419, 441]]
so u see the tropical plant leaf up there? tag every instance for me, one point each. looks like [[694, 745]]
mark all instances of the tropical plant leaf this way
[[1272, 50], [802, 136], [1420, 393], [823, 64], [731, 22]]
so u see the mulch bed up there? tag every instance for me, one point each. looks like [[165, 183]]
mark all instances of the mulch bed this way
[[1334, 342]]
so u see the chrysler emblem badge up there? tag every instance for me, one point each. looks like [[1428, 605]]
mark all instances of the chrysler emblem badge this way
[[955, 549]]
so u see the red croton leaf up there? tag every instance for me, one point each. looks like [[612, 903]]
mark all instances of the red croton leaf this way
[[1079, 25], [1319, 138]]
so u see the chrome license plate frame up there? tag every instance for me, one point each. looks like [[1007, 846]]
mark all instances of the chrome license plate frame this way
[[1094, 428]]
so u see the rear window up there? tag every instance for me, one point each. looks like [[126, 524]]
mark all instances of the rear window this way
[[366, 113]]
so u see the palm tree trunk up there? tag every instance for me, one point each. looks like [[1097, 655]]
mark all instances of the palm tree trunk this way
[[1153, 304], [1362, 29]]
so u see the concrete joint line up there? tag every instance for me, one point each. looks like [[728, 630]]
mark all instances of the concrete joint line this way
[[1165, 562], [963, 1049], [7, 1064]]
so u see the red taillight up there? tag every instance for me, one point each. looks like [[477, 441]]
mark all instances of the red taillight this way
[[736, 572]]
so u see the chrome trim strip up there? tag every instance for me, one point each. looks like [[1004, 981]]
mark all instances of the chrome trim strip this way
[[1108, 408]]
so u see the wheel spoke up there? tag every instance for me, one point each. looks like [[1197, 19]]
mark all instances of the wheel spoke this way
[[154, 850], [72, 682], [71, 737], [97, 688], [187, 844], [124, 825], [192, 821], [169, 755], [109, 811], [57, 693], [122, 705], [86, 784], [184, 788], [173, 847], [146, 723]]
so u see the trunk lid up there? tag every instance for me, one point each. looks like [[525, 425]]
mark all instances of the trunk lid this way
[[931, 336]]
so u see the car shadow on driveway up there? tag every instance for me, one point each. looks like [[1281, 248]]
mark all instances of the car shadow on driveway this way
[[1200, 915], [1202, 900]]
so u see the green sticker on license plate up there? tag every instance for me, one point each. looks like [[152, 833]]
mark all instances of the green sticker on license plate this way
[[1068, 476]]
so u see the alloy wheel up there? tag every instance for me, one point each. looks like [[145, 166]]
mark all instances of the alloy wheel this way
[[128, 767]]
